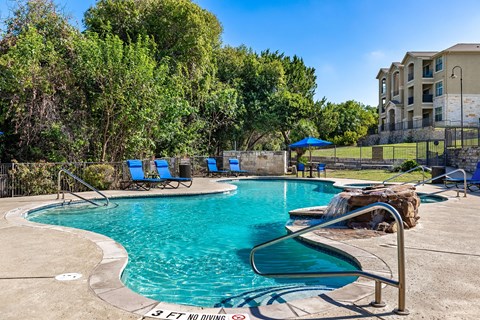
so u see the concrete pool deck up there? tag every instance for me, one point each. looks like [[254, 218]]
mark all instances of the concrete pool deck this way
[[442, 266]]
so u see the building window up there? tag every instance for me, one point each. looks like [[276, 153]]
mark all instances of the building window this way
[[438, 89], [438, 114], [396, 84], [384, 86], [438, 64]]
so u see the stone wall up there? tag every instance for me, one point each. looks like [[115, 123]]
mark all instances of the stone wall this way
[[399, 136], [465, 158], [260, 162]]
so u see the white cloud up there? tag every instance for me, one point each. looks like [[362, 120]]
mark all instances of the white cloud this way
[[377, 55]]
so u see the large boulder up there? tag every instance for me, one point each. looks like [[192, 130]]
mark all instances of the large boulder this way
[[401, 197]]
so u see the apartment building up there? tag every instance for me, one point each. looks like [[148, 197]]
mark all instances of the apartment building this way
[[420, 91]]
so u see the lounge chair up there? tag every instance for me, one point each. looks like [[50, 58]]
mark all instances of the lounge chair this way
[[322, 167], [474, 181], [235, 168], [138, 177], [164, 173], [212, 168]]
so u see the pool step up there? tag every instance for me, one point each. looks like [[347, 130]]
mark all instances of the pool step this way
[[272, 295]]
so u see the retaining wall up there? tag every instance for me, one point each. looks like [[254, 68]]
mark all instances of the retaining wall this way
[[260, 162], [465, 158]]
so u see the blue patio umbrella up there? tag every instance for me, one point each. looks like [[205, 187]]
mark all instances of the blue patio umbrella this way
[[310, 142]]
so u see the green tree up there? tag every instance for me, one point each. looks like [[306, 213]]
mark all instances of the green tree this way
[[37, 88], [345, 123], [130, 97]]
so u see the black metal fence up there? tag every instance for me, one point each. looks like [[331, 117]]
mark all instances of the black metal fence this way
[[26, 179]]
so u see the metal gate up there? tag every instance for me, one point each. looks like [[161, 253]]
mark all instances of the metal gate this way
[[431, 153]]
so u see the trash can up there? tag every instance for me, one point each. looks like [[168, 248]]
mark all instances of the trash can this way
[[185, 170], [438, 171]]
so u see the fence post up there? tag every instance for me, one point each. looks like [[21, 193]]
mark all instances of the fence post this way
[[393, 155], [416, 151], [13, 180]]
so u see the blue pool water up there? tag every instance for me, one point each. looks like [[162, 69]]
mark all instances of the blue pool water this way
[[195, 249]]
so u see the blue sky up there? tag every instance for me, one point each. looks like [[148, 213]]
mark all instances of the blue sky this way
[[346, 41]]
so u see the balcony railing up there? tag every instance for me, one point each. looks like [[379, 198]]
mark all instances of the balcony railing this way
[[410, 124], [396, 93], [410, 100], [428, 73], [410, 77], [427, 98]]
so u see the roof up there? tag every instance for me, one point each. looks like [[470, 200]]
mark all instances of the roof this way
[[382, 70], [464, 47], [419, 54]]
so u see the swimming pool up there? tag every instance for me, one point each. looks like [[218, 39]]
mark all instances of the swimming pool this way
[[194, 249]]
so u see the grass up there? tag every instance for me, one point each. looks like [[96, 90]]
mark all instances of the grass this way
[[377, 175]]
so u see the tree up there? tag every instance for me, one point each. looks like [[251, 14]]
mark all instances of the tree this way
[[346, 122], [37, 88], [130, 98]]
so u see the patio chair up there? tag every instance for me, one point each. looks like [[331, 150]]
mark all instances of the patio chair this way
[[474, 181], [137, 176], [164, 173], [235, 168], [301, 167], [322, 167], [213, 169]]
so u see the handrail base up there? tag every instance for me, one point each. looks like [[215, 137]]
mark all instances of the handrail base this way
[[380, 304], [403, 312]]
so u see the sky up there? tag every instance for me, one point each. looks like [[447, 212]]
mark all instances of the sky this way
[[346, 41]]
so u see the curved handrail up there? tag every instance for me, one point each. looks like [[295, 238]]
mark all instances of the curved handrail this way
[[413, 169], [446, 175], [71, 175], [400, 283]]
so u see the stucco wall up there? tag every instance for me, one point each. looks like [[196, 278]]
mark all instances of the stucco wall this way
[[260, 162]]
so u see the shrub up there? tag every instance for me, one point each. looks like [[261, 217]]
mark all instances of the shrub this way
[[303, 160], [99, 176], [407, 165], [34, 178]]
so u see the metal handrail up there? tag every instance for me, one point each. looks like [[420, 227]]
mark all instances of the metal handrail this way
[[413, 169], [400, 283], [446, 175], [82, 182]]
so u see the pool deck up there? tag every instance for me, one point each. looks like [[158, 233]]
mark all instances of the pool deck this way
[[442, 267]]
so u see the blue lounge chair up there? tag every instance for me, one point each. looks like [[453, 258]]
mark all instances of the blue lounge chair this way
[[138, 177], [235, 168], [322, 167], [164, 173], [212, 167], [474, 181]]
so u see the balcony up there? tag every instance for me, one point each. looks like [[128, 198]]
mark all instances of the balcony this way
[[410, 100], [428, 73], [410, 77], [427, 98], [396, 93], [427, 122]]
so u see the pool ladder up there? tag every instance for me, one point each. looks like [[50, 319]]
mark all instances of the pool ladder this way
[[400, 283], [74, 177], [464, 189]]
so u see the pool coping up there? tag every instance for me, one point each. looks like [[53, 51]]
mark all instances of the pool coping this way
[[105, 283]]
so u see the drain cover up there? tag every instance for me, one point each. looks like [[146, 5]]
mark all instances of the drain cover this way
[[68, 276]]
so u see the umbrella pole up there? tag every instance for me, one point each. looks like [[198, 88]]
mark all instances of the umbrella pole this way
[[311, 164]]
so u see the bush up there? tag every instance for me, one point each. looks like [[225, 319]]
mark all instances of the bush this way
[[34, 179], [407, 165], [303, 160], [99, 176]]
